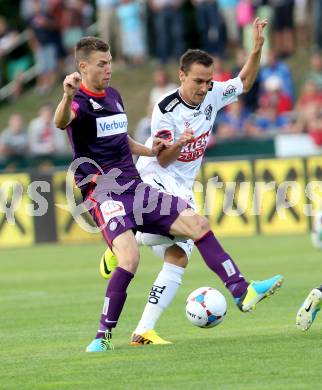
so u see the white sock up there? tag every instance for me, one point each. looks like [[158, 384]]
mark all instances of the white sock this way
[[149, 239], [161, 295]]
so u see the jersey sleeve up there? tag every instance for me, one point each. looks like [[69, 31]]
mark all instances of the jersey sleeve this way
[[75, 108], [162, 125], [226, 92], [119, 98]]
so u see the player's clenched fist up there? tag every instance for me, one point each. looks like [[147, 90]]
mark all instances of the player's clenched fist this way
[[72, 83], [185, 137], [158, 145]]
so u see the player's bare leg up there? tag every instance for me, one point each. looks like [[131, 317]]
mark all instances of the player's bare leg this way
[[109, 262]]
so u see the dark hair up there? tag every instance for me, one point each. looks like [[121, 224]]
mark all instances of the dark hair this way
[[194, 56], [87, 45]]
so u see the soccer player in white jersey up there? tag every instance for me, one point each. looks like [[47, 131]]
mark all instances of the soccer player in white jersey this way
[[185, 118]]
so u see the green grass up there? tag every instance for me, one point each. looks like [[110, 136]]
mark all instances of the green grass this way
[[51, 297]]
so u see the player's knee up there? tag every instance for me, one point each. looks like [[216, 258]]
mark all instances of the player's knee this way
[[182, 261], [177, 256], [129, 259], [200, 227], [204, 225]]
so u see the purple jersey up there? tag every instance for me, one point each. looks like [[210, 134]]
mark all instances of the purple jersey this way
[[99, 132]]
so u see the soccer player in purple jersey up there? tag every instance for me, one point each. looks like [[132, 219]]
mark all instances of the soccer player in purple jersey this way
[[118, 200]]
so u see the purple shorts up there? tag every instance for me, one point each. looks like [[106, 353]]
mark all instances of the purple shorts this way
[[131, 204]]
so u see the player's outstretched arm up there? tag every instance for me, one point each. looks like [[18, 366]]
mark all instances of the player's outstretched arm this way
[[64, 114], [141, 150], [250, 69], [171, 154]]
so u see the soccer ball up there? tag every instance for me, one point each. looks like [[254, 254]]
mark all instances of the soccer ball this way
[[316, 234], [206, 307]]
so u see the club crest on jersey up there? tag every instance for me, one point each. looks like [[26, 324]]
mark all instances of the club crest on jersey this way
[[113, 226], [165, 134], [208, 112], [229, 92], [95, 105]]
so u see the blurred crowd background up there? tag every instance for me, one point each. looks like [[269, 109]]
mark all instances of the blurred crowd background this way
[[37, 38]]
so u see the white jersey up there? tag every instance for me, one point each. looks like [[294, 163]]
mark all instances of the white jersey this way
[[172, 115]]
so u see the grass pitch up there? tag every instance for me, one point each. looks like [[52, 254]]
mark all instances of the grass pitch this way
[[51, 297]]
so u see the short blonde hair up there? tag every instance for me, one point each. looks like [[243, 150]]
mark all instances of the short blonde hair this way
[[87, 45]]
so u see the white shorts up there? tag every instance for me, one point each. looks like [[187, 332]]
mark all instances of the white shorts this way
[[168, 184]]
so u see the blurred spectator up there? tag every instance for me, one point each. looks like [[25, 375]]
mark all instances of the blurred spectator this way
[[228, 9], [14, 60], [244, 12], [75, 17], [168, 28], [43, 40], [245, 15], [162, 85], [283, 26], [234, 121], [302, 21], [26, 11], [108, 26], [55, 9], [315, 72], [132, 33], [267, 121], [315, 127], [317, 25], [310, 95], [274, 96], [263, 11], [250, 98], [71, 18], [87, 13], [14, 140], [220, 73], [44, 138], [8, 37], [280, 69], [308, 104], [210, 26], [143, 128]]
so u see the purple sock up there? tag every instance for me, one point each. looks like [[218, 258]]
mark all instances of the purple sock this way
[[115, 297], [222, 264]]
